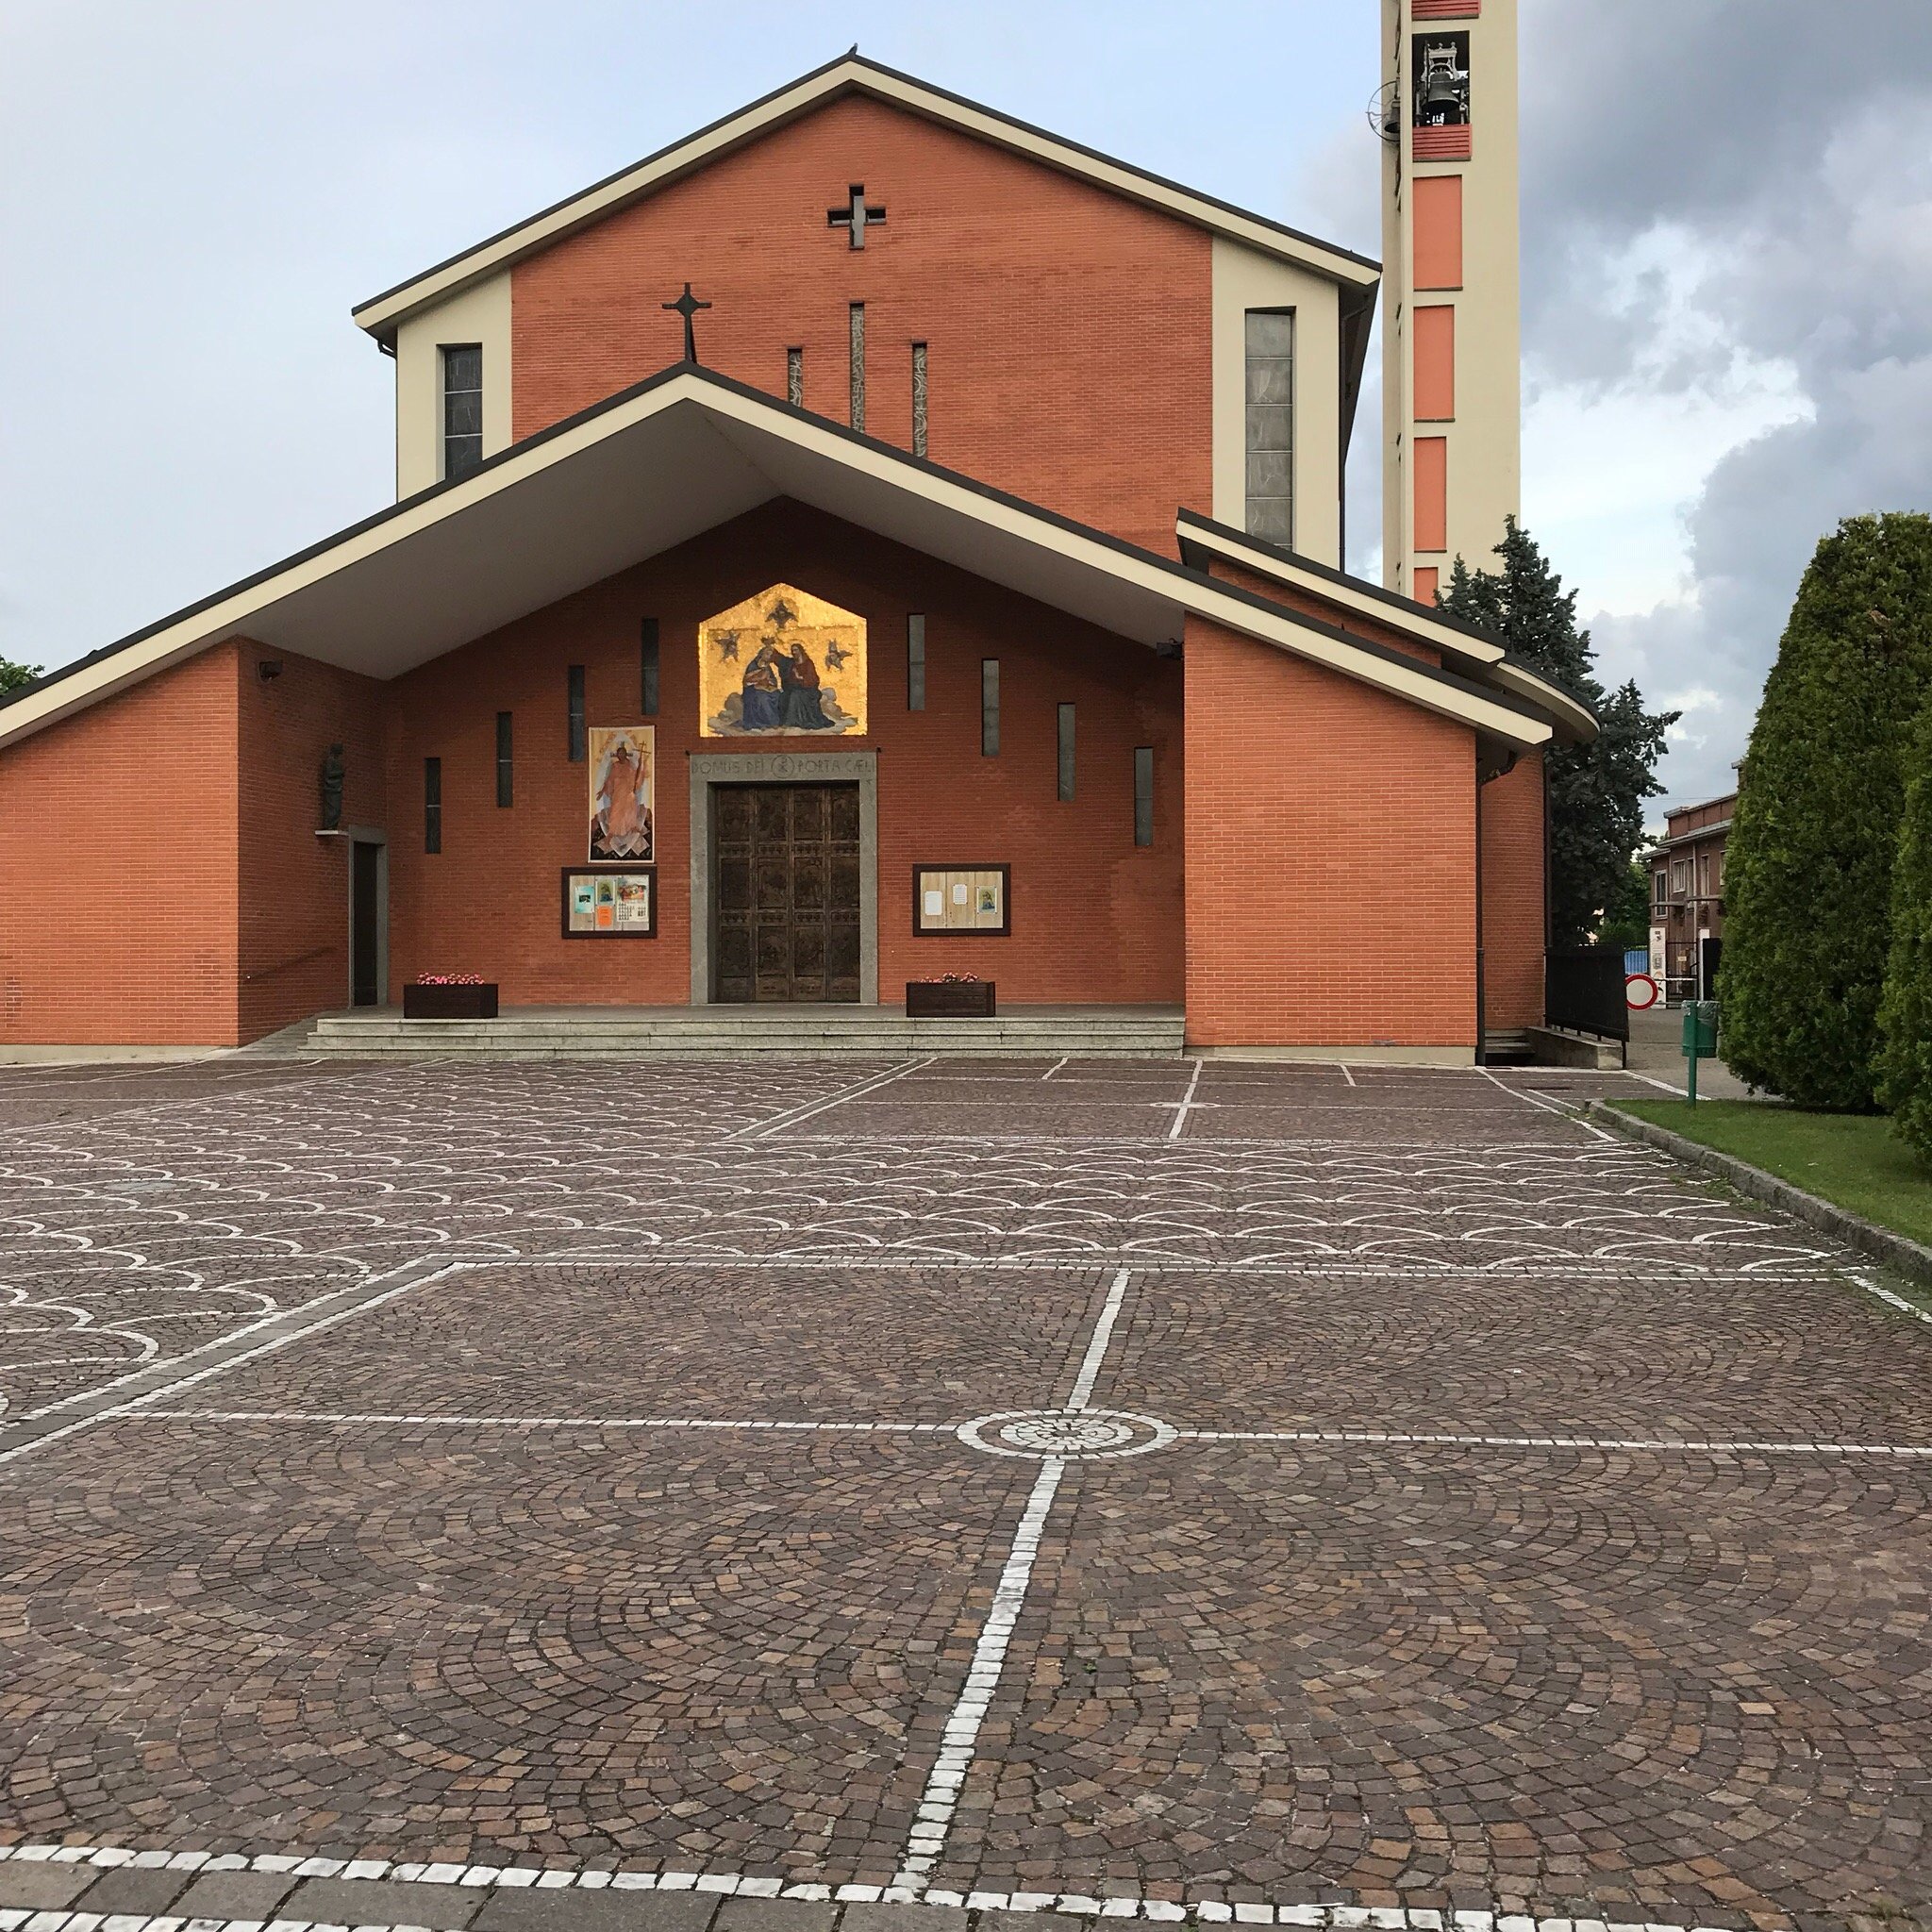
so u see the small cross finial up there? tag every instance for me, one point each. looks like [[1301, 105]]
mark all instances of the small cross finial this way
[[856, 216], [688, 306]]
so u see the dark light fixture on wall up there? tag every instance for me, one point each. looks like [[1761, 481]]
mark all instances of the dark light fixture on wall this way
[[269, 670]]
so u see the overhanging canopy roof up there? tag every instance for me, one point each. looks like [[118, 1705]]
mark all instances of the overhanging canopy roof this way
[[654, 466], [851, 74]]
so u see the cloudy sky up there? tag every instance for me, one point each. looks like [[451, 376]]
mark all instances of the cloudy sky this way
[[1727, 259]]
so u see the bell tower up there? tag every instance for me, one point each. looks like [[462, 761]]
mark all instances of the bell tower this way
[[1452, 387]]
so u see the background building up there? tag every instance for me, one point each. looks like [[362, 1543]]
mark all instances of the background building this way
[[1687, 898]]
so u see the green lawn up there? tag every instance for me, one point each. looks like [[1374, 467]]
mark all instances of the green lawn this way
[[1852, 1160]]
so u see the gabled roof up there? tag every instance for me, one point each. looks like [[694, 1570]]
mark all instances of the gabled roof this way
[[848, 75], [656, 464], [1489, 661]]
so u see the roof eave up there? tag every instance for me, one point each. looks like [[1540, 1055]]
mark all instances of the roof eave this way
[[968, 523]]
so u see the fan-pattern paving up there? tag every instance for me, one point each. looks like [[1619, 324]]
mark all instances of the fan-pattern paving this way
[[1228, 1486]]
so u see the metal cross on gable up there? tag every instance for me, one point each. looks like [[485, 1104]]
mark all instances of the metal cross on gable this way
[[857, 215], [688, 306]]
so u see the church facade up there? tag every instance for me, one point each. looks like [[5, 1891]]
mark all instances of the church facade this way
[[870, 540]]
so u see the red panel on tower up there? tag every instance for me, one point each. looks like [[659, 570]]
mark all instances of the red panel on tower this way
[[1445, 10], [1432, 493], [1438, 231], [1435, 363], [1441, 143]]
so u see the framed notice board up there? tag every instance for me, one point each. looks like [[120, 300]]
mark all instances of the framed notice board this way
[[961, 899], [610, 902]]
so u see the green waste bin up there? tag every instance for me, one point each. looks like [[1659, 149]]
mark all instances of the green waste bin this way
[[1700, 1040]]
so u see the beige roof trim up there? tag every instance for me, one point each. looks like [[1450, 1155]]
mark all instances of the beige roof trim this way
[[743, 417], [1400, 615], [1487, 661], [1577, 723], [380, 314]]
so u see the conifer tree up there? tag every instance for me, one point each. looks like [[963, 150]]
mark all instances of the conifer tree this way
[[1808, 864], [1905, 1013], [1597, 789]]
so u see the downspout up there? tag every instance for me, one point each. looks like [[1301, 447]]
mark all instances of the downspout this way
[[1482, 1025]]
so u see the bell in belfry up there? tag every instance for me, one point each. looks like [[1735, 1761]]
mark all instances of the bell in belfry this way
[[1441, 86]]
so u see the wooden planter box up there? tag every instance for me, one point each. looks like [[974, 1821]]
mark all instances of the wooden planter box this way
[[450, 1001], [939, 999]]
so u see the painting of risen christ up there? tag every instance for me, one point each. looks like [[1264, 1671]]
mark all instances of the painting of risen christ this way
[[623, 770]]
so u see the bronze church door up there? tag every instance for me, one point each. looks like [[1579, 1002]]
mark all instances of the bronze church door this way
[[787, 892]]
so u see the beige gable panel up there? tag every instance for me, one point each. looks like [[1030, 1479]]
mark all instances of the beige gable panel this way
[[479, 314], [1243, 279]]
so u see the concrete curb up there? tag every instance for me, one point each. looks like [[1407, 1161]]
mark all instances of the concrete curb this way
[[1896, 1251]]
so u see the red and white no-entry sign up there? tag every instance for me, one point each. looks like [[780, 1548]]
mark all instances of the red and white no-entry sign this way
[[1641, 992]]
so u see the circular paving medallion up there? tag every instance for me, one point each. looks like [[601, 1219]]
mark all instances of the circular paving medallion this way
[[1081, 1434]]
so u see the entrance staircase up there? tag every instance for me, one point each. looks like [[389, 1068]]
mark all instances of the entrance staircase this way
[[685, 1032]]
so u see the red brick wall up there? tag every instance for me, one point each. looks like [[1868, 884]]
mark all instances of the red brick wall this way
[[1512, 809], [1330, 863], [117, 868], [1068, 331], [294, 887], [1094, 918]]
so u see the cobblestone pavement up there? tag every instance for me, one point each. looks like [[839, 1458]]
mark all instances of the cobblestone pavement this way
[[622, 1493]]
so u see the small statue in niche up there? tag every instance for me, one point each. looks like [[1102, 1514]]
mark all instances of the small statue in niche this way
[[332, 772]]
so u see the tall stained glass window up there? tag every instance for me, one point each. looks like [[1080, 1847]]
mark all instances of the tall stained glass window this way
[[462, 408], [1270, 424]]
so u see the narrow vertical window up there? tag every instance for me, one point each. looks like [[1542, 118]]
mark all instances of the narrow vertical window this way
[[505, 787], [432, 805], [1066, 752], [1270, 424], [989, 708], [1143, 795], [647, 669], [858, 328], [576, 714], [462, 408], [915, 663], [794, 378], [919, 399]]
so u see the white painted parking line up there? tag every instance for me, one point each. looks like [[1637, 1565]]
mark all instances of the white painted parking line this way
[[1536, 1100], [763, 1130], [299, 1330], [1890, 1300], [926, 1840], [1200, 1906], [1180, 1117], [333, 1418], [1096, 1346], [1667, 1444]]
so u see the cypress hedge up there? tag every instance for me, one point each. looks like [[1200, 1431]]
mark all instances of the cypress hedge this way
[[1904, 1016], [1808, 863]]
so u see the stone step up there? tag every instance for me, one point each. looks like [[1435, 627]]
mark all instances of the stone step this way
[[711, 1031], [679, 1049]]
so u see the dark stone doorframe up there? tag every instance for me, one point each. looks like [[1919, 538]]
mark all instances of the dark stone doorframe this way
[[709, 769]]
